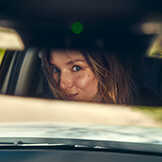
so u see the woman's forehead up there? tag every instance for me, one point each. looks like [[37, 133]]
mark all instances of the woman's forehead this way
[[57, 56]]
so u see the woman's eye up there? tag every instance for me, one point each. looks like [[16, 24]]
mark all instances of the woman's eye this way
[[76, 68]]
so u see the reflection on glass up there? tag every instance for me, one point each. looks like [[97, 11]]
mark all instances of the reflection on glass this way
[[87, 76]]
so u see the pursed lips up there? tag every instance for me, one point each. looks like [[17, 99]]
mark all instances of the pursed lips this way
[[72, 95]]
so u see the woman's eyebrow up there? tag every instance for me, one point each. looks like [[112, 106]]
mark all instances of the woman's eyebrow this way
[[73, 61]]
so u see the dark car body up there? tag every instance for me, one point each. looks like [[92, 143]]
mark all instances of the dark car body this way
[[58, 142]]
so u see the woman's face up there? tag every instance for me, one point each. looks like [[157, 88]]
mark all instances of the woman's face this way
[[74, 76]]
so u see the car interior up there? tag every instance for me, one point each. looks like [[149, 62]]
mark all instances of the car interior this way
[[118, 30]]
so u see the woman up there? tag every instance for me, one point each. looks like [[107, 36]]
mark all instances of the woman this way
[[87, 76]]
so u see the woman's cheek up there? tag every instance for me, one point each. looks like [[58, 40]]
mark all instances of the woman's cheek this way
[[84, 80]]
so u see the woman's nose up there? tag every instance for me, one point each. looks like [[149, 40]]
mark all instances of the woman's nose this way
[[66, 81]]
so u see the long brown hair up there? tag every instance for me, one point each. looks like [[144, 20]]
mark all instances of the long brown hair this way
[[114, 82]]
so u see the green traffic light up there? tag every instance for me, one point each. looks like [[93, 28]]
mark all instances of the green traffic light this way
[[77, 27]]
